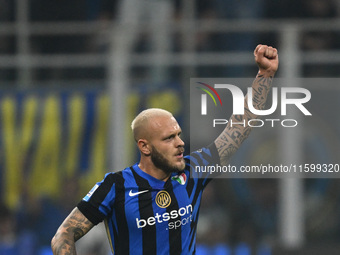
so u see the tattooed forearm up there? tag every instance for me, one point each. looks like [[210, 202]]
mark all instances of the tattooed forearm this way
[[261, 87], [72, 229], [234, 134]]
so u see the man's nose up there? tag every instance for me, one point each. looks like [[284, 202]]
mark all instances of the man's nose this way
[[180, 142]]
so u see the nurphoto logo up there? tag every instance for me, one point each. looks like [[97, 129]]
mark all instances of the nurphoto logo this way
[[294, 96]]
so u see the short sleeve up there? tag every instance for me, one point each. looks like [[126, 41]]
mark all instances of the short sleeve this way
[[98, 203], [203, 157]]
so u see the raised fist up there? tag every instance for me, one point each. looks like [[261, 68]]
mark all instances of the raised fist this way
[[267, 59]]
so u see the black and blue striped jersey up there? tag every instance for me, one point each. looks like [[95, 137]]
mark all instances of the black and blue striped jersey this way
[[144, 215]]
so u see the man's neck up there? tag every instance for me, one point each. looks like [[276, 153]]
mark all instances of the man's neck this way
[[152, 170]]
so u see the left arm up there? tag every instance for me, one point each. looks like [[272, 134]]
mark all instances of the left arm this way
[[232, 136]]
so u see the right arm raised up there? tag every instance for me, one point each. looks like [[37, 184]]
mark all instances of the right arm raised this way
[[72, 229]]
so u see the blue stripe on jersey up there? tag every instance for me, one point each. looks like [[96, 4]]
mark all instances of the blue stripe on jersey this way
[[108, 202]]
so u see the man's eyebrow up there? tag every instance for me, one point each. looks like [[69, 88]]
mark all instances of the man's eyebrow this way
[[173, 134]]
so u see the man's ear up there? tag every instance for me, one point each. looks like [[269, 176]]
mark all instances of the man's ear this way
[[144, 146]]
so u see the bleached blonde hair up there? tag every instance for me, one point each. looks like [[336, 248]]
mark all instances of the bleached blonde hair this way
[[140, 121]]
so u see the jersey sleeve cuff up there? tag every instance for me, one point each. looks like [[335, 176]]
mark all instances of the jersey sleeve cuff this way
[[90, 212], [214, 153]]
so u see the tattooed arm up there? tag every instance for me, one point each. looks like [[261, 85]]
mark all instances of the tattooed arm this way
[[72, 229], [233, 135]]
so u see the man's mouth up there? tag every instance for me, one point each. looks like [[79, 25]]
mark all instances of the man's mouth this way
[[180, 154]]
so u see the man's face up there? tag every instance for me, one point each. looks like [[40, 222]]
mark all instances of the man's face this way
[[166, 145]]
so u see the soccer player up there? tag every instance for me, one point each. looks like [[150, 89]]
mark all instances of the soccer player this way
[[152, 207]]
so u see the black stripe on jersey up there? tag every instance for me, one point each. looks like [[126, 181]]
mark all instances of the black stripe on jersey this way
[[122, 240], [190, 181], [175, 235], [198, 190], [146, 211]]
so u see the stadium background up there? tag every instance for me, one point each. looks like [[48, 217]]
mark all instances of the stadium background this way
[[74, 73]]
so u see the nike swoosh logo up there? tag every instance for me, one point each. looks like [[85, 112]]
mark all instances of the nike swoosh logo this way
[[132, 194]]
